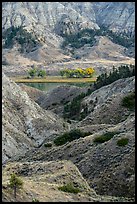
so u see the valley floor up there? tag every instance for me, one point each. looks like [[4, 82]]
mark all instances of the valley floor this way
[[52, 79]]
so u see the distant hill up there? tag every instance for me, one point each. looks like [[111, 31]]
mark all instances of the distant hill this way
[[46, 28]]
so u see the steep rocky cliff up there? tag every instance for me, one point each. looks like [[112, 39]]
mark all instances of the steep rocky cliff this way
[[74, 15], [123, 19]]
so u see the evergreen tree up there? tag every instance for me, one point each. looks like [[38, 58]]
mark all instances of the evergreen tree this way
[[15, 183]]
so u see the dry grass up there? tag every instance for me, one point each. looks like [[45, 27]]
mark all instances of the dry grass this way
[[53, 79]]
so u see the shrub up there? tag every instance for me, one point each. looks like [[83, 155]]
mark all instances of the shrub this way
[[33, 72], [42, 73], [129, 101], [48, 144], [70, 136], [122, 141], [69, 188], [105, 137], [35, 200]]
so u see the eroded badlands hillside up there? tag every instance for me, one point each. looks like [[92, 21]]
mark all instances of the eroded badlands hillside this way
[[91, 155], [106, 166], [107, 169], [25, 123]]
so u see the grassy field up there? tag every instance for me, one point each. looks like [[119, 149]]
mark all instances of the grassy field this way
[[52, 79]]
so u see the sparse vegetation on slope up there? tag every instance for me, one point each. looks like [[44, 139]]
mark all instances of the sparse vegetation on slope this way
[[70, 136], [19, 35], [129, 101], [125, 39], [79, 39], [69, 188], [105, 137], [87, 36], [72, 110], [48, 144], [35, 200], [122, 142]]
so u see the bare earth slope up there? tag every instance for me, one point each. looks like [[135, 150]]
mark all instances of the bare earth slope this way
[[42, 179], [105, 104], [54, 100], [107, 167], [102, 172], [103, 49]]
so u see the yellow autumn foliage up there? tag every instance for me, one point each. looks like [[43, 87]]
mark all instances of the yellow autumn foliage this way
[[79, 72], [89, 71]]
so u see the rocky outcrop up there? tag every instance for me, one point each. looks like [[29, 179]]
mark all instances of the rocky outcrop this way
[[72, 16], [43, 14], [123, 19], [25, 123], [105, 104]]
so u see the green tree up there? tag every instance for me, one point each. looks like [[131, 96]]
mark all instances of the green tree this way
[[62, 73], [32, 72], [41, 73], [15, 183]]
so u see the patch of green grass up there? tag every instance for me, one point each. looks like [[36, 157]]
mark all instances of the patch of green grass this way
[[70, 136], [122, 141], [105, 137], [69, 188], [129, 101]]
